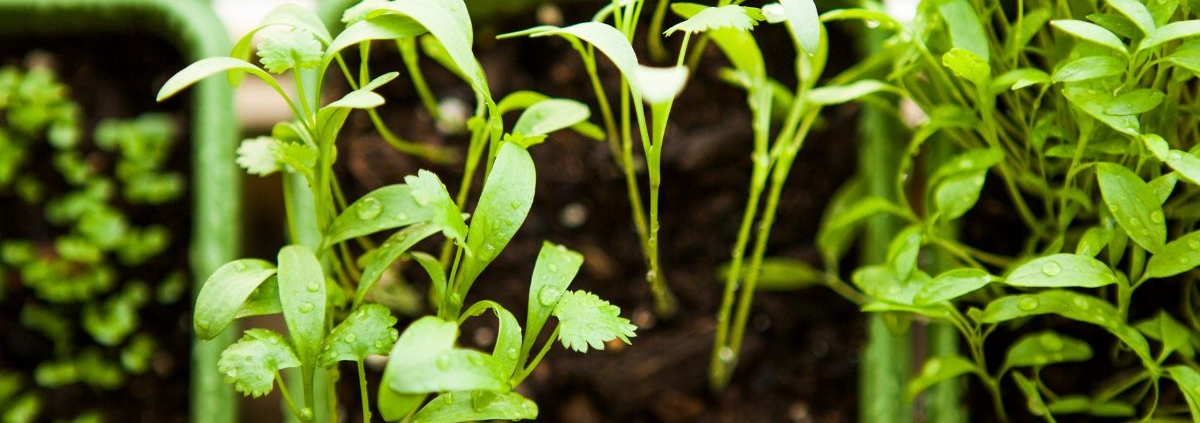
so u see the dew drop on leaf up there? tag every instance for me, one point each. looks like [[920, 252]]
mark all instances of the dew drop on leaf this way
[[1051, 342], [306, 307], [401, 216], [380, 344], [552, 268], [240, 266], [1194, 244], [511, 353], [443, 363], [448, 398], [368, 209], [202, 325], [350, 338], [651, 276], [1175, 155], [515, 205], [549, 295], [1028, 303], [726, 355], [313, 287], [1156, 217], [933, 366], [1051, 268]]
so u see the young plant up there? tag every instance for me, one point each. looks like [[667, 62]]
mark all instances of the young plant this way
[[321, 286], [1085, 126]]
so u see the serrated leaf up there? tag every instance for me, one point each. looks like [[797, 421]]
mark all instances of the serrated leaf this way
[[453, 407], [1135, 102], [302, 295], [367, 331], [952, 284], [738, 45], [1178, 256], [555, 268], [251, 363], [1092, 32], [1186, 164], [1092, 102], [1062, 270], [1189, 383], [1170, 32], [968, 65], [712, 18], [429, 192], [551, 115], [938, 369], [837, 94], [224, 293], [1137, 13], [1090, 67], [1134, 205], [586, 320], [503, 205], [283, 51], [1045, 348], [257, 155], [299, 156], [805, 23], [424, 360]]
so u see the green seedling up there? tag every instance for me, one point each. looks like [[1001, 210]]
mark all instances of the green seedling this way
[[322, 285]]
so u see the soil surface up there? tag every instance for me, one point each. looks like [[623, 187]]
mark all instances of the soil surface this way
[[110, 77], [801, 354]]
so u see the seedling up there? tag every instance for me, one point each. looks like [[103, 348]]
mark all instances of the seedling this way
[[321, 286]]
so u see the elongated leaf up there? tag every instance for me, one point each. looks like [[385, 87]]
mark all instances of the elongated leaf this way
[[368, 330], [969, 65], [551, 115], [394, 406], [1135, 102], [805, 23], [1189, 383], [1178, 256], [1090, 67], [302, 295], [833, 241], [1186, 164], [957, 194], [1017, 79], [553, 272], [208, 67], [388, 207], [1170, 32], [503, 205], [881, 282], [424, 360], [382, 27], [1175, 336], [508, 336], [903, 250], [387, 253], [1044, 348], [1062, 270], [966, 30], [1033, 397], [713, 18], [1137, 13], [224, 293], [1092, 32], [1093, 102], [939, 369], [838, 94], [447, 21], [1134, 204], [1093, 241], [437, 273], [454, 407], [952, 284], [603, 37]]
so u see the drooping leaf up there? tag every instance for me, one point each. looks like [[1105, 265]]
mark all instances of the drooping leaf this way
[[1091, 32], [302, 295], [1137, 13], [952, 284], [939, 369], [1090, 67], [387, 253], [382, 27], [503, 205], [507, 351], [368, 330], [837, 94], [224, 293], [251, 363], [603, 37], [1044, 348], [551, 115], [1093, 102], [805, 23], [453, 407], [1170, 32], [553, 272], [204, 68], [394, 406], [712, 18], [1062, 270], [424, 360], [448, 22], [1134, 205], [1178, 256], [586, 320]]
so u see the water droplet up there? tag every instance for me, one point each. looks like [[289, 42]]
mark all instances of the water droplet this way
[[511, 354], [443, 362], [515, 205], [549, 295], [392, 332], [369, 208], [1183, 260], [273, 340], [1081, 303], [401, 216], [1051, 268], [552, 268], [313, 287], [1133, 221], [202, 325], [448, 397], [726, 355], [380, 344], [1175, 155], [651, 276], [349, 338], [306, 414], [1194, 244], [1028, 303], [240, 266], [1157, 217], [1051, 342], [933, 366], [306, 307], [1040, 359]]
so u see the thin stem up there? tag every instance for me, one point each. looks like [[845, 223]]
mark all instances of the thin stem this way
[[362, 391], [520, 377], [287, 397], [654, 37]]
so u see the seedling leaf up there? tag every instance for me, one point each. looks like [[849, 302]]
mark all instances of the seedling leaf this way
[[389, 207], [251, 363], [586, 320], [424, 360], [1137, 13], [1090, 67], [603, 37], [1178, 256], [551, 115], [1062, 270], [966, 31], [368, 330], [1170, 32], [295, 49], [1135, 102], [938, 369], [508, 336], [257, 156], [553, 272], [1189, 383], [503, 205], [382, 27], [659, 85], [387, 253], [447, 20], [952, 284], [968, 65], [957, 194], [207, 67], [805, 23], [1186, 164], [739, 46], [1094, 103], [1044, 348], [1173, 334], [712, 18], [394, 406], [224, 292], [452, 407], [837, 94], [302, 295], [1134, 205]]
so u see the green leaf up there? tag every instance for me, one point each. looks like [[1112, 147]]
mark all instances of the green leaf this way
[[302, 295], [1186, 58], [207, 67], [551, 115], [586, 320], [1017, 79], [1135, 102], [805, 23], [659, 86], [381, 27], [1090, 67], [957, 194], [939, 369], [1137, 13], [424, 360], [903, 250], [780, 274], [1062, 270], [257, 155], [1093, 241], [952, 284], [394, 406], [553, 272], [1186, 164], [224, 293], [712, 18], [603, 37], [881, 282], [1134, 204], [111, 321], [837, 94], [1170, 32], [1093, 103], [437, 273], [1173, 334], [388, 207], [387, 253], [1045, 348], [367, 331], [251, 363], [503, 205], [1163, 186], [833, 241], [263, 301], [1189, 383], [968, 65], [1033, 397], [738, 45], [447, 20], [1117, 24], [283, 51], [1157, 145], [358, 99], [966, 30], [507, 351], [1178, 256], [1091, 32], [452, 407]]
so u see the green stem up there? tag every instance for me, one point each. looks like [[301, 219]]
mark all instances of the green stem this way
[[654, 37], [362, 391], [408, 52], [287, 397], [520, 377]]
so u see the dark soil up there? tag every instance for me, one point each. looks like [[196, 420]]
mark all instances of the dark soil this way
[[110, 76], [800, 360]]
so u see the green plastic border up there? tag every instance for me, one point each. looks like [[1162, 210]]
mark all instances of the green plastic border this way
[[194, 29]]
